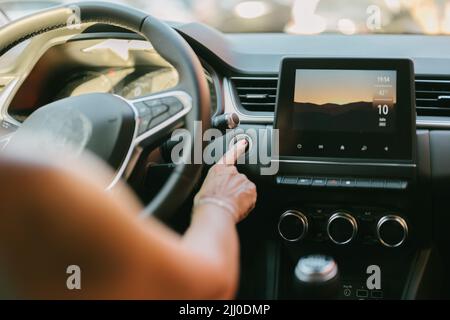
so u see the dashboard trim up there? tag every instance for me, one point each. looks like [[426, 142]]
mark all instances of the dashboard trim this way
[[433, 124], [346, 163], [231, 105]]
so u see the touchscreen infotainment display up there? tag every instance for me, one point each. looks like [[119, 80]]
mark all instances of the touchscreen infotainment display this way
[[345, 100], [346, 108]]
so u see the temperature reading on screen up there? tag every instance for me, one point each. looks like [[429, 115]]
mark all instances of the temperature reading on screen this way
[[385, 98]]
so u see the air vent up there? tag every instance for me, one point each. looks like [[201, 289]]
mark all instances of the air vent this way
[[256, 94], [432, 96]]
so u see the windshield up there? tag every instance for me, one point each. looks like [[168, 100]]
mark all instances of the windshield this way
[[289, 16]]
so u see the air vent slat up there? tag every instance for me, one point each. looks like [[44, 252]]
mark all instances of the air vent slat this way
[[257, 103], [424, 99], [432, 96], [256, 89], [432, 92], [256, 94]]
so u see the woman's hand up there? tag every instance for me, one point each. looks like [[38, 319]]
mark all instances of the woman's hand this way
[[226, 188]]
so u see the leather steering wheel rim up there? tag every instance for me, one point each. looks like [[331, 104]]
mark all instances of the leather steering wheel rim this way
[[169, 44]]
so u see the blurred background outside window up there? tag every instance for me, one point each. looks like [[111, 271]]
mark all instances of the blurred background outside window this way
[[290, 16]]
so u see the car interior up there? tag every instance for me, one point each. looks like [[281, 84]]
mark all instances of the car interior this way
[[349, 134]]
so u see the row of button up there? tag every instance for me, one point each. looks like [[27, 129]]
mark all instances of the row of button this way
[[155, 111], [342, 148], [364, 293], [343, 182]]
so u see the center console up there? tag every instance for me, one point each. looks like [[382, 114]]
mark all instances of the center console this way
[[348, 179]]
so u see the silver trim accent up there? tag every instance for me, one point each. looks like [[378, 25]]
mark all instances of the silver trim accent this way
[[303, 219], [431, 81], [397, 219], [433, 124], [4, 96], [348, 217], [230, 120], [381, 164], [241, 136], [257, 78], [231, 104], [185, 99]]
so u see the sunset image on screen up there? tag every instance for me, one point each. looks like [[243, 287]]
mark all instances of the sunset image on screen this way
[[351, 100], [341, 87]]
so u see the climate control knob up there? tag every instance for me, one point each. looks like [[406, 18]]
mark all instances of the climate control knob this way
[[293, 225], [342, 227], [392, 231]]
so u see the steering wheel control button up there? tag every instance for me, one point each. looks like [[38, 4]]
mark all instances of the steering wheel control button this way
[[174, 109], [145, 117], [153, 103], [143, 123], [159, 109], [293, 226], [173, 104], [392, 231], [142, 109], [342, 228], [155, 111], [170, 101], [158, 120]]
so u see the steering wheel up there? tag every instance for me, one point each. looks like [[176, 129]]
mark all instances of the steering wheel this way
[[110, 126]]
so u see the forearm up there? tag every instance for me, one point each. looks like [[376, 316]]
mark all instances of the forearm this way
[[213, 236]]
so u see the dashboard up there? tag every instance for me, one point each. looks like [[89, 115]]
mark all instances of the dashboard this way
[[69, 69], [125, 82], [364, 138], [365, 185]]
